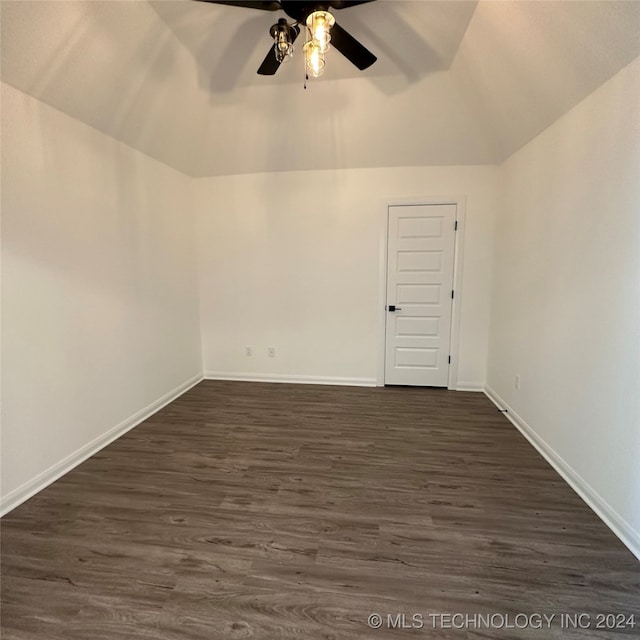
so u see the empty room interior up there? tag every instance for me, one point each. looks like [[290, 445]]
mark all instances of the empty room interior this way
[[320, 320]]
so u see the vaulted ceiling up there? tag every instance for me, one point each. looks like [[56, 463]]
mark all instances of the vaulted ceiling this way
[[456, 82]]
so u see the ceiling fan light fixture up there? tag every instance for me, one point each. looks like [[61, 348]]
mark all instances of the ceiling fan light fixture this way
[[317, 21], [319, 24], [314, 58]]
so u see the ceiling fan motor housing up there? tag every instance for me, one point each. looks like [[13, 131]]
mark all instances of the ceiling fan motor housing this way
[[299, 10]]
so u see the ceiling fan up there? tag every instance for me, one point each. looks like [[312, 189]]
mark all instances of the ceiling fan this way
[[321, 28]]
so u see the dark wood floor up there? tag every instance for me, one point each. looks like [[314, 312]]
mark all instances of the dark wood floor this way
[[264, 511]]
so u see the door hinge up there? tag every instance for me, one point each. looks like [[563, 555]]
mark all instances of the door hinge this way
[[455, 228], [452, 294], [449, 359]]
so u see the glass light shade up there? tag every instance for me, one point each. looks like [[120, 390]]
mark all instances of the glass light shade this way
[[283, 36], [283, 48], [282, 41], [320, 23], [314, 58]]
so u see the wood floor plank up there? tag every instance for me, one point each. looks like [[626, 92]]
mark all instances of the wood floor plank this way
[[277, 511]]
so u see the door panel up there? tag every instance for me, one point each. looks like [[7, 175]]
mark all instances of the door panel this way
[[419, 283], [416, 261]]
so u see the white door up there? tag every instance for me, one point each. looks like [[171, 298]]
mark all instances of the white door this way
[[421, 241]]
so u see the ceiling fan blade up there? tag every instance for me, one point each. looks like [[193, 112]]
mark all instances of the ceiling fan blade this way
[[345, 4], [270, 64], [264, 6], [350, 48]]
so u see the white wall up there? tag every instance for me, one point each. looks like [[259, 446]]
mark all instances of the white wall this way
[[99, 309], [566, 297], [291, 260]]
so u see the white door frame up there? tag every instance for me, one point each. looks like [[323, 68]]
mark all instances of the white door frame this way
[[460, 202]]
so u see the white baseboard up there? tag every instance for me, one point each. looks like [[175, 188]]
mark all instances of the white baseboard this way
[[294, 379], [470, 386], [44, 479], [622, 529]]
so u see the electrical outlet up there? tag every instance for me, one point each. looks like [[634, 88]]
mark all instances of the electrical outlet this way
[[516, 383], [248, 351], [272, 352]]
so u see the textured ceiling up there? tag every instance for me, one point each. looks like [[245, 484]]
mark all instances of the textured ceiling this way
[[455, 82]]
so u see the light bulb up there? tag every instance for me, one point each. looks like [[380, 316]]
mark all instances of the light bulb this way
[[314, 58], [283, 43], [320, 23]]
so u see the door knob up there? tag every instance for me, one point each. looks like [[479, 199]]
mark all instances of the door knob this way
[[392, 307]]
